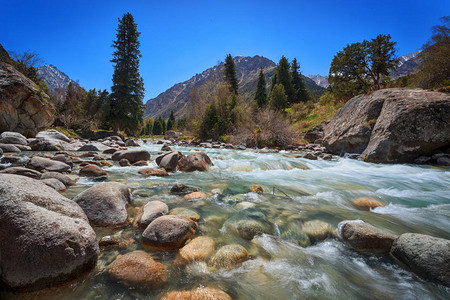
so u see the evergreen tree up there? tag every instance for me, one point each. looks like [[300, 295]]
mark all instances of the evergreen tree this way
[[284, 77], [274, 81], [230, 74], [210, 120], [157, 127], [300, 91], [278, 98], [127, 91], [171, 121], [261, 93]]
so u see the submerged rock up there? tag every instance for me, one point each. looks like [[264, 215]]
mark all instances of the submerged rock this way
[[197, 161], [45, 238], [318, 230], [168, 233], [425, 255], [194, 195], [153, 172], [182, 189], [184, 212], [365, 237], [203, 293], [138, 269], [199, 249], [105, 203], [256, 189], [229, 256]]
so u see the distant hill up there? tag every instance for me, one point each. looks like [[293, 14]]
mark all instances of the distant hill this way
[[247, 69], [54, 78]]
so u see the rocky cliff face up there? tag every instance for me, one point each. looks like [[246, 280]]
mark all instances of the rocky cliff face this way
[[319, 80], [24, 107], [247, 70], [391, 126]]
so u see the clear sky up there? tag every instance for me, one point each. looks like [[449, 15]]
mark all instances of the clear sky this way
[[182, 38]]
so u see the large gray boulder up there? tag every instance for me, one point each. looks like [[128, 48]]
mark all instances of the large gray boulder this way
[[169, 161], [391, 125], [131, 155], [53, 134], [42, 163], [105, 203], [365, 237], [197, 161], [9, 137], [22, 172], [24, 107], [45, 238], [425, 255]]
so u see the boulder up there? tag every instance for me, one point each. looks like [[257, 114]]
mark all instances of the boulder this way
[[203, 293], [168, 233], [131, 143], [124, 162], [194, 195], [45, 238], [199, 249], [53, 134], [182, 189], [171, 134], [153, 172], [365, 237], [94, 146], [41, 164], [8, 148], [9, 137], [366, 203], [197, 161], [54, 184], [105, 203], [151, 211], [425, 255], [13, 159], [138, 269], [24, 107], [92, 170], [132, 155], [315, 133], [185, 212], [169, 161], [22, 172], [66, 180], [165, 147], [229, 256], [63, 158], [140, 163], [391, 125]]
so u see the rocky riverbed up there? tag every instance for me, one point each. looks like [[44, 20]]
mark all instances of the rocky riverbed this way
[[170, 219]]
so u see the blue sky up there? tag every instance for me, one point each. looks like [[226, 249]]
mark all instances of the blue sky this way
[[182, 38]]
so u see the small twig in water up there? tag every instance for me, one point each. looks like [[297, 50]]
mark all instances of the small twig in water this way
[[275, 188]]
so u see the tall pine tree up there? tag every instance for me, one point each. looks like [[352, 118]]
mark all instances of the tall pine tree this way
[[230, 74], [127, 91], [261, 92], [284, 77], [278, 98], [300, 92]]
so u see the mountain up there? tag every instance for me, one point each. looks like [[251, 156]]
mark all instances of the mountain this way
[[54, 78], [408, 64], [319, 80], [247, 69]]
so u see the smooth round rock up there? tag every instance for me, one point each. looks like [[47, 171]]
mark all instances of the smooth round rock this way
[[168, 233], [182, 189], [92, 170], [153, 172], [61, 177], [150, 212], [132, 155], [45, 238], [229, 256], [317, 230], [23, 172], [197, 161], [199, 249], [138, 269], [105, 203], [202, 293], [185, 212], [49, 165], [366, 203], [194, 195], [54, 184]]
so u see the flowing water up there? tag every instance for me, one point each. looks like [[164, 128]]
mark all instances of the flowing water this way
[[284, 264]]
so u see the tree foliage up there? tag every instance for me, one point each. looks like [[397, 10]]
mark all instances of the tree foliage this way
[[261, 90], [284, 77], [435, 67], [278, 99], [362, 64], [300, 92], [127, 91], [230, 74]]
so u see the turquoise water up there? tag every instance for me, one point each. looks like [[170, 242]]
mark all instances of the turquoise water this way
[[417, 200]]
